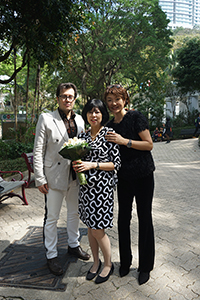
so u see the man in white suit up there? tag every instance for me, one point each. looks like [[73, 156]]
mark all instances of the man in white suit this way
[[54, 175]]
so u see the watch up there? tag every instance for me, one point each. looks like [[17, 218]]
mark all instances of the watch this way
[[97, 167], [129, 144]]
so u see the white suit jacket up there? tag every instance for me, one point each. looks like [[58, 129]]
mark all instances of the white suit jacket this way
[[49, 166]]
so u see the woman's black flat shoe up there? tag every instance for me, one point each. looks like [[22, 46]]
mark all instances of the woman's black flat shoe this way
[[91, 275], [100, 279]]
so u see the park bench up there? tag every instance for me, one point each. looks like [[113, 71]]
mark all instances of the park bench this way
[[188, 132], [29, 162], [159, 138], [7, 187]]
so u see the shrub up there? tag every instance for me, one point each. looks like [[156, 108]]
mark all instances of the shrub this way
[[13, 149], [25, 132], [18, 164]]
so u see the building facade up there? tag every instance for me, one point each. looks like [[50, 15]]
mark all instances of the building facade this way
[[181, 13]]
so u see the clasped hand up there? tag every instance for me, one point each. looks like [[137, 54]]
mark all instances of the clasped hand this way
[[114, 138], [81, 166]]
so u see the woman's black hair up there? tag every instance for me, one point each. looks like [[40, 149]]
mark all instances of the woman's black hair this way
[[100, 105]]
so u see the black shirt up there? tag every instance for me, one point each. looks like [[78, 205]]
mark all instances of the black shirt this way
[[71, 128], [134, 163], [70, 123]]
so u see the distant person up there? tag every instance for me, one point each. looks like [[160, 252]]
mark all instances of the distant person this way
[[155, 134], [163, 131], [197, 125], [160, 132], [53, 174], [167, 126]]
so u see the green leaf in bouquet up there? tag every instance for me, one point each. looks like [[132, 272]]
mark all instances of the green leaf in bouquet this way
[[75, 152]]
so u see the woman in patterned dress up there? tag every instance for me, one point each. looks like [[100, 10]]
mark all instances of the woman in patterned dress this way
[[97, 196], [135, 179]]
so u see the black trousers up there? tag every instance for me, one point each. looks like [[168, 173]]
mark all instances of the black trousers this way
[[196, 129], [142, 189]]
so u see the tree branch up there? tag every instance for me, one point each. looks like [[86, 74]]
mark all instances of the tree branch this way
[[17, 70], [6, 55]]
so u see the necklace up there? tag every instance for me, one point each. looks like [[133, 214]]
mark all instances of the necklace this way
[[94, 136]]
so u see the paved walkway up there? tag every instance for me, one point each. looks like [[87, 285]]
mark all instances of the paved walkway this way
[[176, 214]]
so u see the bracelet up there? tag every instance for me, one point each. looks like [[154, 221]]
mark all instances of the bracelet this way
[[97, 167]]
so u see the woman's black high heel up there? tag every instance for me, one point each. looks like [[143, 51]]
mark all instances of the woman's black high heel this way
[[100, 279], [91, 275]]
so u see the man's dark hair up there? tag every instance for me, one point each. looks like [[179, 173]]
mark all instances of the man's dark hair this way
[[66, 86]]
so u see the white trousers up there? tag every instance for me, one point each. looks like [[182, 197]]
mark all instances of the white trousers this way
[[54, 199]]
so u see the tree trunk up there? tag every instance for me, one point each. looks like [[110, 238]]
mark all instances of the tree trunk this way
[[38, 94], [35, 93], [27, 87], [15, 91], [84, 89]]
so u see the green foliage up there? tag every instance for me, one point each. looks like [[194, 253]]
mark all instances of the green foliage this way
[[182, 35], [180, 120], [151, 105], [122, 39], [17, 164], [150, 101], [25, 132], [187, 72], [12, 149], [180, 31], [37, 27], [185, 119]]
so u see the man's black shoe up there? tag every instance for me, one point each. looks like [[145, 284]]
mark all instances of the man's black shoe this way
[[54, 266], [78, 252]]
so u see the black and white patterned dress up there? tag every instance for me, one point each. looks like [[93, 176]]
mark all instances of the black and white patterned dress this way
[[96, 198]]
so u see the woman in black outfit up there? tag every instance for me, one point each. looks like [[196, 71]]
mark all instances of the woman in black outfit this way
[[135, 179]]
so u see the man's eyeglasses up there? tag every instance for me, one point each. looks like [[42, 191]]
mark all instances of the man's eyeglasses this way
[[70, 98]]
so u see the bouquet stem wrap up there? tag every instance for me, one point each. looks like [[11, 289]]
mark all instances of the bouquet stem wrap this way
[[75, 149], [81, 177]]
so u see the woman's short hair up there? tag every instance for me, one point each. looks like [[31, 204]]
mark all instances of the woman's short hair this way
[[117, 90], [100, 105], [66, 86]]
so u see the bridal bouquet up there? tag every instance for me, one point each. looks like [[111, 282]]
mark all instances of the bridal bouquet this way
[[75, 149]]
